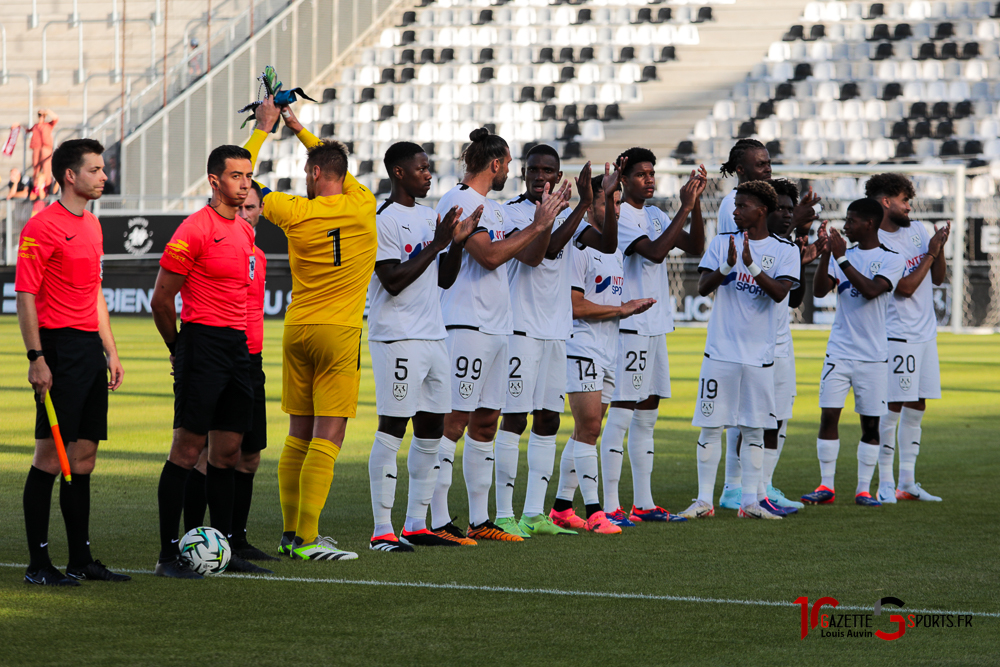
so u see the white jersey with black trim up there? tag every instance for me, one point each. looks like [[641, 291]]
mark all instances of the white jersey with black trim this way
[[911, 319], [743, 327], [415, 313], [643, 278], [539, 295], [858, 330], [726, 221], [479, 299], [600, 277]]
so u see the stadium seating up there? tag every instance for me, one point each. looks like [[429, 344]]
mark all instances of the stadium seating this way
[[533, 70]]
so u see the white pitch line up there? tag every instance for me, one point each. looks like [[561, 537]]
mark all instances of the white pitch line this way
[[553, 591]]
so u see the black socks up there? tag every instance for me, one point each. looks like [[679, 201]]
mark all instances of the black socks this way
[[170, 496], [74, 501], [37, 504], [195, 503], [219, 491], [241, 507]]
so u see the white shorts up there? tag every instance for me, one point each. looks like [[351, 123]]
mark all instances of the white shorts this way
[[411, 376], [731, 394], [868, 378], [478, 369], [535, 375], [784, 387], [643, 368], [914, 372], [583, 375]]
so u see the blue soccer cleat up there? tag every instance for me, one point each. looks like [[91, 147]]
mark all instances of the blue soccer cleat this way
[[779, 499], [731, 498], [769, 505], [619, 518], [866, 500], [821, 496], [656, 515]]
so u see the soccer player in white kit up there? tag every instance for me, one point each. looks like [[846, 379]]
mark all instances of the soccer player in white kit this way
[[750, 161], [911, 325], [597, 280], [642, 373], [418, 254], [736, 384], [478, 319], [856, 355], [543, 320]]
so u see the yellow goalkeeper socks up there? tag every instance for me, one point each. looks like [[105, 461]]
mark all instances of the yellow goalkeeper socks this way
[[289, 468], [314, 486]]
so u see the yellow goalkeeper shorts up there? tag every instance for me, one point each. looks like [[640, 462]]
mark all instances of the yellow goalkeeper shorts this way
[[321, 370]]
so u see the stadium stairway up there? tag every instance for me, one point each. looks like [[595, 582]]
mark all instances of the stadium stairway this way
[[703, 74]]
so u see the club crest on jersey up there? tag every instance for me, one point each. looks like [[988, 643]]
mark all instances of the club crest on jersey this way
[[637, 380], [707, 408], [657, 227], [465, 389], [253, 265], [904, 383], [767, 262], [431, 223], [498, 214], [514, 387], [399, 390], [874, 268], [916, 240], [589, 386]]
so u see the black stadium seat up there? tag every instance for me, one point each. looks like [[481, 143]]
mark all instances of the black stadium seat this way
[[667, 53], [426, 56], [663, 15], [284, 185], [944, 129], [612, 112], [586, 55], [527, 94], [880, 32], [627, 54], [409, 36], [367, 94], [265, 167], [944, 31], [329, 94], [446, 56], [794, 33], [900, 130], [569, 112], [570, 130], [849, 91], [384, 187], [407, 74], [572, 151], [388, 75], [409, 18], [567, 74], [704, 14], [407, 56], [684, 148], [429, 148], [904, 149], [549, 112], [919, 110], [802, 72], [785, 91], [818, 31], [883, 51], [902, 31], [922, 129], [949, 51], [773, 148], [548, 93], [963, 109], [644, 15], [485, 56], [928, 51], [648, 73], [765, 109], [545, 55], [892, 91], [486, 74], [485, 16], [286, 132], [566, 55], [328, 130], [973, 147], [583, 16], [940, 110], [747, 129], [970, 50], [950, 148], [876, 10], [590, 112], [386, 112]]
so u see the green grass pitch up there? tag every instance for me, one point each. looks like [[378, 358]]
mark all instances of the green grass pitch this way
[[932, 556]]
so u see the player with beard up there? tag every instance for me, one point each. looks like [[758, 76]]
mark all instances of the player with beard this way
[[597, 280], [418, 254], [911, 325], [478, 318], [642, 376], [255, 440], [67, 332], [539, 282], [856, 355], [736, 384]]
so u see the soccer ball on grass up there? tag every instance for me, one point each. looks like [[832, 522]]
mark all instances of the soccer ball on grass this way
[[206, 550]]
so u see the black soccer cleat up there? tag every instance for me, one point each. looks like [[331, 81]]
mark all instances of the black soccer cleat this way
[[48, 576], [241, 566], [425, 538], [95, 571], [250, 552], [175, 568], [389, 543]]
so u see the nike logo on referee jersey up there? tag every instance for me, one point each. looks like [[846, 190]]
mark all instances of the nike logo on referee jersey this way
[[70, 238], [217, 240]]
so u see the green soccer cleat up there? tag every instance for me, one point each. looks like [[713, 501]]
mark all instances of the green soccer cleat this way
[[542, 525], [322, 548], [508, 524]]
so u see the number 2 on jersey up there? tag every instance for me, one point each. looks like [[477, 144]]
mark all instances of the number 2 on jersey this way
[[335, 234]]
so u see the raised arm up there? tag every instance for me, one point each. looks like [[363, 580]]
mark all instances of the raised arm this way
[[939, 272], [451, 263], [775, 288], [561, 235], [491, 255], [588, 310], [675, 236], [822, 283], [869, 288], [709, 281]]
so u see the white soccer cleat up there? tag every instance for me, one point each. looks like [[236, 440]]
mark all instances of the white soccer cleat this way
[[755, 511], [322, 548], [886, 493], [915, 492], [699, 510]]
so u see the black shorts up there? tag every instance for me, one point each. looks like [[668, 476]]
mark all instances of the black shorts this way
[[255, 439], [79, 385], [212, 390]]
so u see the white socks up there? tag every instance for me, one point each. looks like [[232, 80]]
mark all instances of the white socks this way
[[586, 471], [734, 474], [612, 453], [887, 447], [909, 444], [541, 460], [709, 453], [422, 469], [382, 479], [568, 478], [867, 458], [477, 467], [770, 462], [752, 463], [439, 501], [640, 456], [507, 451], [827, 451]]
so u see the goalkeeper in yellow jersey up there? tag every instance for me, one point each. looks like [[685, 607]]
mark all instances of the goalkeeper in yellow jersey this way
[[331, 250]]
